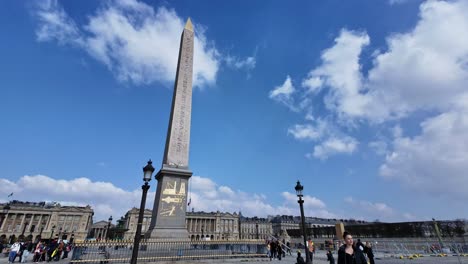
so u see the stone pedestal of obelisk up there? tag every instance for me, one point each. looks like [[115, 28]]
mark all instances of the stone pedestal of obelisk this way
[[168, 219]]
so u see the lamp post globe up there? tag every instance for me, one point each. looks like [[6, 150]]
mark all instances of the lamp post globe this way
[[148, 171], [299, 188]]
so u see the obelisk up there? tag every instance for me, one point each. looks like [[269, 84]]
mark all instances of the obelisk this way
[[168, 219]]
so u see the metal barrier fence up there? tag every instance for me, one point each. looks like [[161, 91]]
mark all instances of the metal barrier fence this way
[[428, 247], [157, 250]]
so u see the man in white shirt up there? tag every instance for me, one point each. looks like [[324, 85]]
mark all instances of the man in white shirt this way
[[13, 251]]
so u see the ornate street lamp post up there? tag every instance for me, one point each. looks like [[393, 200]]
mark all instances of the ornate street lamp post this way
[[108, 227], [6, 208], [299, 189], [52, 233], [147, 174], [256, 228]]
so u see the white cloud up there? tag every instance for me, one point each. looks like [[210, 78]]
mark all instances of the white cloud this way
[[335, 145], [208, 196], [306, 131], [372, 210], [136, 42], [423, 69], [314, 84], [379, 146], [341, 73], [247, 63], [284, 94], [396, 2], [104, 197], [435, 161], [331, 140]]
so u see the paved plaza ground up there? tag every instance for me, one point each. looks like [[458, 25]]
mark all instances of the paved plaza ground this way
[[320, 258]]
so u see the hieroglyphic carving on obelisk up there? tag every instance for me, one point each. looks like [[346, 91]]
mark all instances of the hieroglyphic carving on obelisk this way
[[168, 220], [176, 153]]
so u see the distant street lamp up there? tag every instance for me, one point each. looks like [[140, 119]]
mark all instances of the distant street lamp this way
[[6, 208], [256, 228], [52, 232], [147, 174], [108, 227], [299, 189]]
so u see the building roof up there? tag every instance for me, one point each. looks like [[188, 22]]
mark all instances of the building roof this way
[[52, 206]]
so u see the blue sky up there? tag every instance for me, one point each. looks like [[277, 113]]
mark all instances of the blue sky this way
[[364, 102]]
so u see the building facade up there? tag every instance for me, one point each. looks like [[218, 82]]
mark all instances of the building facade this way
[[32, 221], [130, 221], [281, 224], [255, 228], [212, 226], [100, 230], [200, 225]]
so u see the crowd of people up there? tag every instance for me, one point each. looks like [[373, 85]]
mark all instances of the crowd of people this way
[[40, 251], [351, 252], [277, 249]]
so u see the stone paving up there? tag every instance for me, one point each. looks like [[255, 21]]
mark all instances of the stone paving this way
[[320, 258]]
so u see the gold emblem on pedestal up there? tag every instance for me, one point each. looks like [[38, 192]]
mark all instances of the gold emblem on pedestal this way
[[172, 200]]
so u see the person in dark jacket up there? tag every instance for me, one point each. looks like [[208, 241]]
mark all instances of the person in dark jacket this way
[[360, 245], [347, 254], [279, 250], [273, 250], [299, 259], [370, 253], [330, 257]]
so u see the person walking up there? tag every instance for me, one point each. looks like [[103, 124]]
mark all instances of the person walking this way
[[330, 257], [370, 253], [273, 250], [20, 252], [349, 254], [66, 251], [15, 248], [51, 249], [38, 252], [27, 248], [279, 248], [268, 250]]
